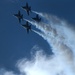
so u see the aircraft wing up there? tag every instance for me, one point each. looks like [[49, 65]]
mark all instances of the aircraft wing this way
[[25, 26], [24, 7], [16, 15], [34, 18]]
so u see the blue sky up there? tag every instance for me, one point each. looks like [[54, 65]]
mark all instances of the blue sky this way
[[15, 43]]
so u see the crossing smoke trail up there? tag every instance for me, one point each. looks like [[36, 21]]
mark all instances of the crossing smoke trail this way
[[60, 41]]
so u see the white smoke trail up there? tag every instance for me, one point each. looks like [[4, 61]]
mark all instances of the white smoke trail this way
[[61, 49], [44, 36], [61, 39], [38, 13], [40, 34], [38, 25], [53, 20], [43, 27]]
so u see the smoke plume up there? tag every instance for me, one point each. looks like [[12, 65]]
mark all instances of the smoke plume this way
[[61, 39]]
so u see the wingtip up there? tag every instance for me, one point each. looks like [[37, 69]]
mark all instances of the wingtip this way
[[13, 15], [22, 7], [22, 25]]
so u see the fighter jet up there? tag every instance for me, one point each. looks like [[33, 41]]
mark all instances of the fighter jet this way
[[27, 26], [37, 18], [27, 8], [19, 16]]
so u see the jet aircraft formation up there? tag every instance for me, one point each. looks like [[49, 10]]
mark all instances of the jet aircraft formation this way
[[27, 8]]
